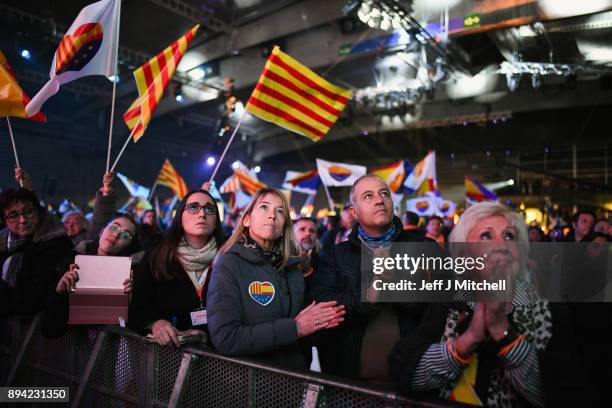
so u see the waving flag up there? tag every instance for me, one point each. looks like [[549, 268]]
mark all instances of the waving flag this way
[[445, 207], [247, 179], [292, 96], [231, 185], [339, 174], [12, 98], [169, 177], [423, 176], [89, 47], [476, 192], [135, 189], [393, 174], [151, 81], [307, 182], [423, 206]]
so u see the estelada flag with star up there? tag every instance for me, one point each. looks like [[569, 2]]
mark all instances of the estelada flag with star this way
[[13, 99], [89, 47]]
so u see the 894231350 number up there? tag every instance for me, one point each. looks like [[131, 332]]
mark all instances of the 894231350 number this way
[[33, 394]]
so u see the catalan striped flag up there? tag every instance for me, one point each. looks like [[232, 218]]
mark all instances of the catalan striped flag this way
[[169, 177], [151, 81], [12, 98], [230, 185], [247, 179], [476, 192], [292, 96]]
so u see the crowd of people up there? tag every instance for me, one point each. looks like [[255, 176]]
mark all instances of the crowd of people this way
[[271, 288]]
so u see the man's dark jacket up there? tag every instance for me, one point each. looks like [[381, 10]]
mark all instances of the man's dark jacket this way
[[339, 278]]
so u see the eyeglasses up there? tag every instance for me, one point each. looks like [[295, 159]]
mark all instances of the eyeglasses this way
[[194, 208], [121, 233], [14, 216]]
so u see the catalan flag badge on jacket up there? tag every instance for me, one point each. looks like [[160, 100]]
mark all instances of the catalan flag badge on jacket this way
[[292, 96], [261, 292]]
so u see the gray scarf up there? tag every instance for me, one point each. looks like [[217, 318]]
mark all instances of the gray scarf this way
[[196, 260]]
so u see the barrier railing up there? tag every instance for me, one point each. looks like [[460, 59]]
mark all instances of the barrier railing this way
[[113, 367]]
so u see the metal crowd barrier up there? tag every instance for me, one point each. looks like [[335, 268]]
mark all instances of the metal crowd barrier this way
[[114, 367]]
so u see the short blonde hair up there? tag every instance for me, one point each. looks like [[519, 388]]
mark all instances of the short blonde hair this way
[[480, 211], [288, 245]]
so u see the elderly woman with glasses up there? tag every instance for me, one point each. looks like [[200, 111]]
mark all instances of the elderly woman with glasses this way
[[256, 297], [170, 286], [32, 246], [512, 352]]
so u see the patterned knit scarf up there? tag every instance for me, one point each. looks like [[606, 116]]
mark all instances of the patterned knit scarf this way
[[275, 257], [375, 242], [196, 260]]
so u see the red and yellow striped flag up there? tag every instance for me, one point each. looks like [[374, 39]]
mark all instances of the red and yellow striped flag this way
[[292, 96], [151, 80], [12, 98], [169, 177]]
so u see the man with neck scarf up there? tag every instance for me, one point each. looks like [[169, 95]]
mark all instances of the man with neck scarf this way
[[360, 348]]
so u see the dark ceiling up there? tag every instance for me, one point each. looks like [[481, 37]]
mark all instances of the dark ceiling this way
[[66, 156]]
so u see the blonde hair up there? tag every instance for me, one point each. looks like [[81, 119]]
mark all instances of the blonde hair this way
[[288, 242], [480, 211]]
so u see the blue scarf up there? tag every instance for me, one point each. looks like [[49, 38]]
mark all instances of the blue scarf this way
[[382, 241]]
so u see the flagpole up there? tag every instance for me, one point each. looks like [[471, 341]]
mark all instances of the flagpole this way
[[127, 141], [115, 80], [110, 130], [152, 190], [227, 147], [329, 199], [8, 122]]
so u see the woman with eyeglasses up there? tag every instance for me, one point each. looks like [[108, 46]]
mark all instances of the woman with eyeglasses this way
[[32, 246], [118, 238], [170, 286], [256, 297], [110, 234]]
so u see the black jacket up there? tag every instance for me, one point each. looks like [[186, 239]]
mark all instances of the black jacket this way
[[42, 255], [171, 300], [240, 322], [339, 278]]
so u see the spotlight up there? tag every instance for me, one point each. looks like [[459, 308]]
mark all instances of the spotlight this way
[[25, 54], [235, 165], [257, 169], [179, 98], [210, 161]]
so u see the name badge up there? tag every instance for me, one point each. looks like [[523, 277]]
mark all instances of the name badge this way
[[198, 317]]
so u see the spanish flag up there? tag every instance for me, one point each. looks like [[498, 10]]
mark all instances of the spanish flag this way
[[169, 177], [12, 98], [292, 96], [151, 81]]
